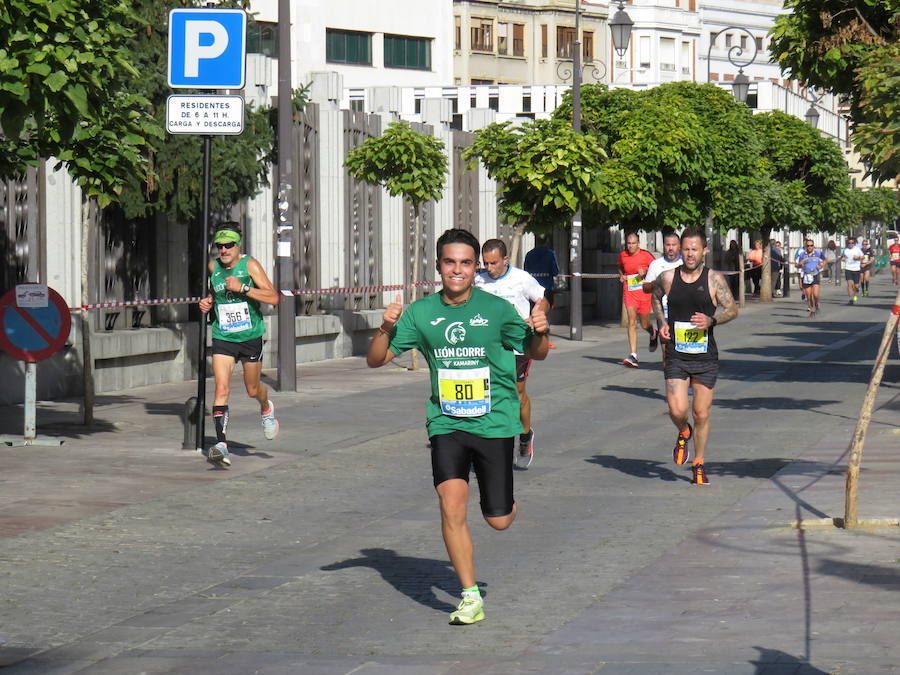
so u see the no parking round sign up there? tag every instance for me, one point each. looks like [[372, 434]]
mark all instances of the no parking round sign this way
[[34, 322]]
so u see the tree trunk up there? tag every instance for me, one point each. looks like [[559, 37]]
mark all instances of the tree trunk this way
[[765, 292], [865, 415], [516, 244], [87, 360], [417, 271]]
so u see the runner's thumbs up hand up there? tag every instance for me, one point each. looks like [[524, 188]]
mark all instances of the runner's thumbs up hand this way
[[392, 313], [538, 321]]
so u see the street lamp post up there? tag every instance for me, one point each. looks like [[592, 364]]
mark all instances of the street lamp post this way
[[741, 84], [812, 115], [620, 28]]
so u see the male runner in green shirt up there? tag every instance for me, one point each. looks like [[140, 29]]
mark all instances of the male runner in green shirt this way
[[237, 283], [469, 339]]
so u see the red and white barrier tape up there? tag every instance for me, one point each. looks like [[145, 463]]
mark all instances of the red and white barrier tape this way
[[358, 290]]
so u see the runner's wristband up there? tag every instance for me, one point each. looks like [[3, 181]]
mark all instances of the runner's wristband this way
[[245, 288]]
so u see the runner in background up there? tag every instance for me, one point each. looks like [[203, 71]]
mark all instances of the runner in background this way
[[524, 291], [865, 267], [238, 284], [894, 254], [633, 265], [670, 259], [810, 263]]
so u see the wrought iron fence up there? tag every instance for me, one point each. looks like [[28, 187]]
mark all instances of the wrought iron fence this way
[[306, 206], [465, 186], [20, 236]]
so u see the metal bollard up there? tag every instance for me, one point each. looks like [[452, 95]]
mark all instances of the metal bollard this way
[[189, 420]]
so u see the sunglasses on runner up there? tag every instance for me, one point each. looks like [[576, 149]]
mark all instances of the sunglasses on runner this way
[[226, 244]]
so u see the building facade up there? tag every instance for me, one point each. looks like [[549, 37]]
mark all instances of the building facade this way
[[526, 41]]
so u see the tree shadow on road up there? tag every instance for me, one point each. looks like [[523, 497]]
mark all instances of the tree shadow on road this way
[[885, 578], [645, 392], [414, 577], [645, 365], [772, 403], [777, 662]]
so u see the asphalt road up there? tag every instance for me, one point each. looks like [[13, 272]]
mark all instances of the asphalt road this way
[[321, 552]]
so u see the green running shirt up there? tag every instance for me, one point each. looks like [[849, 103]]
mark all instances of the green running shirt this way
[[236, 318], [469, 349]]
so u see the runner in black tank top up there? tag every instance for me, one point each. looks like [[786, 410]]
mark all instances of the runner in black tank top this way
[[685, 300], [692, 357]]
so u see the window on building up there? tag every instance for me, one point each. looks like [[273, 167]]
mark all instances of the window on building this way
[[518, 39], [458, 36], [712, 38], [685, 58], [345, 46], [476, 80], [728, 38], [402, 51], [565, 42], [587, 45], [759, 43], [644, 51], [482, 35], [544, 41], [743, 42], [667, 55], [262, 38], [502, 38]]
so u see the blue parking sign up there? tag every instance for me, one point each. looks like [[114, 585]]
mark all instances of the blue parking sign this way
[[207, 48]]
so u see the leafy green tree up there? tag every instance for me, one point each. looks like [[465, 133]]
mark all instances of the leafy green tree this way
[[850, 49], [67, 78], [806, 186], [407, 164], [544, 171], [678, 153]]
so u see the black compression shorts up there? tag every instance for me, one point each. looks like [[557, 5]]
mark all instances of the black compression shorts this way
[[453, 454]]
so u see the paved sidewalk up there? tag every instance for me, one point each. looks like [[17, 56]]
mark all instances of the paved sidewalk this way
[[743, 592]]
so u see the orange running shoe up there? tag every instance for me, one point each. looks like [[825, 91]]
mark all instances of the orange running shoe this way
[[700, 477], [681, 453]]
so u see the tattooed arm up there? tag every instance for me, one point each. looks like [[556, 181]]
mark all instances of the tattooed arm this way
[[722, 297], [661, 286]]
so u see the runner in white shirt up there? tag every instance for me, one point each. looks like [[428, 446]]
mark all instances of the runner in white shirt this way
[[669, 260], [521, 289], [852, 258]]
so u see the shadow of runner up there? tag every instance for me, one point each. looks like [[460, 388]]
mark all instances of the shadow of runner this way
[[640, 468], [414, 577], [775, 661]]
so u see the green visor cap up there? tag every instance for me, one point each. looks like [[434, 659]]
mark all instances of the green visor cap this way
[[227, 235]]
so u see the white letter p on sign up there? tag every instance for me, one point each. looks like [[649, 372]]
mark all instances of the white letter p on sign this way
[[193, 51]]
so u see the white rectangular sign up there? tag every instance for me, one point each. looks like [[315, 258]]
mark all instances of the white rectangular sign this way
[[34, 296], [204, 114]]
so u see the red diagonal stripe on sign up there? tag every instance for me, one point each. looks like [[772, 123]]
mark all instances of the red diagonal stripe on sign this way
[[38, 328]]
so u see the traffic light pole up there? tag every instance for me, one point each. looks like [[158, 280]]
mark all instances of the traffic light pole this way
[[575, 245]]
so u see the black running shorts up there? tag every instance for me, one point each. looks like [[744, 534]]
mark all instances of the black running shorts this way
[[249, 351], [523, 365], [492, 458], [705, 371], [852, 275]]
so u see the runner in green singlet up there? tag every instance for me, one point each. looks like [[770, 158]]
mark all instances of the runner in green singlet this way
[[238, 284], [469, 339]]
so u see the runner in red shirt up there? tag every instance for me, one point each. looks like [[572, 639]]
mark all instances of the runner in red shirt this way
[[894, 255], [633, 264]]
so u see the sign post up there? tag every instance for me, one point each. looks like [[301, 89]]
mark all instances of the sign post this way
[[34, 325], [207, 50]]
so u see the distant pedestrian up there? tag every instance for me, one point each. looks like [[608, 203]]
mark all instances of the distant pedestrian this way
[[540, 262], [852, 256], [778, 260], [733, 264], [755, 258], [831, 261]]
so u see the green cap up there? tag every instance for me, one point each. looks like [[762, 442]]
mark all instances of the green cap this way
[[227, 235]]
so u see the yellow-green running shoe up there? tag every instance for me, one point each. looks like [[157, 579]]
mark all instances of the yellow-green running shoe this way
[[469, 610]]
